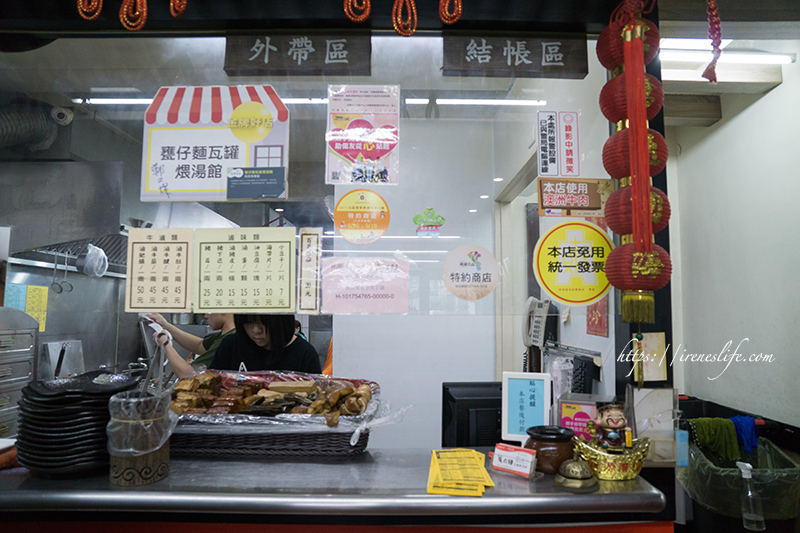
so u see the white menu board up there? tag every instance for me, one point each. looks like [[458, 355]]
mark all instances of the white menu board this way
[[244, 270], [159, 270]]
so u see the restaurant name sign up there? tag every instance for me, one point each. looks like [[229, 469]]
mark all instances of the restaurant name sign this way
[[214, 144], [516, 57], [309, 55]]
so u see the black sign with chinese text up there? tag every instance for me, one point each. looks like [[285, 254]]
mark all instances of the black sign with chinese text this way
[[516, 57], [309, 55]]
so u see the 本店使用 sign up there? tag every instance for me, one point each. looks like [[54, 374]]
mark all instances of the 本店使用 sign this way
[[569, 262], [215, 144], [573, 197]]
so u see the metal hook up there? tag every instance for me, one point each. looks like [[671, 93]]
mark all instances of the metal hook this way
[[55, 286], [66, 285]]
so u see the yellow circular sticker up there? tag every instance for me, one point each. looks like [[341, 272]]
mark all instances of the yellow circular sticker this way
[[570, 262], [470, 272], [361, 216], [250, 122]]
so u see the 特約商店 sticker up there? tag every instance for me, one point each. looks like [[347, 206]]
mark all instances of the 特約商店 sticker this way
[[361, 216]]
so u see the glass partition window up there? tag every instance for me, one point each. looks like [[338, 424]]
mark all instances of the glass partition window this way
[[468, 150]]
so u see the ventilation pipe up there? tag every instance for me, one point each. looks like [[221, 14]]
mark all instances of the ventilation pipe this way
[[33, 125]]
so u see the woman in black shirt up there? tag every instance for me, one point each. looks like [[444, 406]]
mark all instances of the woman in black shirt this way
[[266, 342]]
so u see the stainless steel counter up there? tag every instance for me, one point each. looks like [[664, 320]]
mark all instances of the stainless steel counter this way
[[377, 483]]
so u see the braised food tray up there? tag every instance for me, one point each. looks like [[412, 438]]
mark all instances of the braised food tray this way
[[285, 435]]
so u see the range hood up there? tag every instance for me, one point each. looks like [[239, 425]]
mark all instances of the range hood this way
[[115, 247]]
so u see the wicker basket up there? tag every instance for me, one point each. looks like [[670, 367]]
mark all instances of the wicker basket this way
[[245, 436], [266, 444]]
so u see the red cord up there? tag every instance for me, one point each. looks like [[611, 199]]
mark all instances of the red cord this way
[[351, 6], [90, 9], [405, 26], [715, 34], [447, 16], [133, 14]]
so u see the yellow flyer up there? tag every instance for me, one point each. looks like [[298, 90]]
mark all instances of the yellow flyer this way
[[36, 304]]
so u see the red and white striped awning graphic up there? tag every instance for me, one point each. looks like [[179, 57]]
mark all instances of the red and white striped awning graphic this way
[[209, 105]]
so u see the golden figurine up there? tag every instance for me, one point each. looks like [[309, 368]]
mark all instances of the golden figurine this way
[[612, 453]]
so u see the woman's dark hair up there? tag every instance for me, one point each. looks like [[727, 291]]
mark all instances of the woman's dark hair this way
[[298, 325], [279, 327]]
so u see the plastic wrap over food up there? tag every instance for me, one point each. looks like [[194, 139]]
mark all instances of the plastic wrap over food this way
[[141, 422], [274, 401]]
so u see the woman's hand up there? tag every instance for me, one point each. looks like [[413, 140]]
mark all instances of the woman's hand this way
[[158, 319], [162, 338]]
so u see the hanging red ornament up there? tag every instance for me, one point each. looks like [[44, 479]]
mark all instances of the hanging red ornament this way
[[404, 24], [90, 9], [610, 46], [357, 10], [448, 16], [638, 155], [177, 7], [618, 211], [638, 274], [616, 153], [715, 34], [613, 102], [133, 14]]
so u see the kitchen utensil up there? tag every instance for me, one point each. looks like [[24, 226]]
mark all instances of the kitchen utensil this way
[[66, 285], [60, 358], [55, 286]]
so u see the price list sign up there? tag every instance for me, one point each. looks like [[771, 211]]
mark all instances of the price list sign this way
[[244, 270], [159, 270], [310, 257]]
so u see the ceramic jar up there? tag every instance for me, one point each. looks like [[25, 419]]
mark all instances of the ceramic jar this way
[[553, 445]]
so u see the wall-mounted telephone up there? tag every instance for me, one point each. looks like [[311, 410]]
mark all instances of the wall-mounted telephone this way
[[533, 322], [533, 332]]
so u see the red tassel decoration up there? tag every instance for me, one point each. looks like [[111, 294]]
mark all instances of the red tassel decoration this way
[[715, 34], [352, 6], [90, 9], [404, 24], [133, 14], [449, 16], [637, 120]]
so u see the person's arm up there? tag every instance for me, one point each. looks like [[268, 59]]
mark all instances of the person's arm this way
[[179, 365], [187, 341]]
